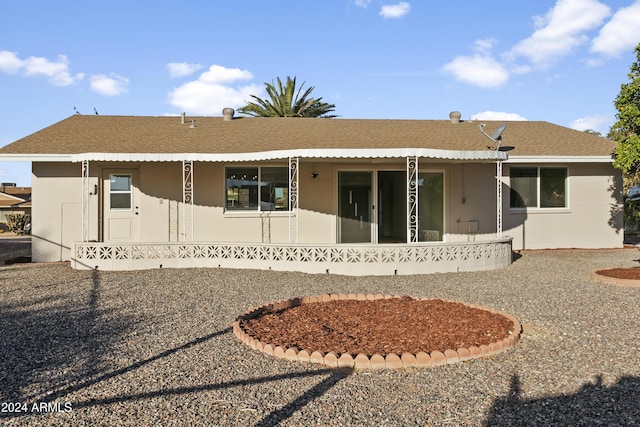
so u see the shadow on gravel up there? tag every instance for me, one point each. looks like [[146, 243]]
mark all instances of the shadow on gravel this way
[[593, 404], [51, 342], [61, 352], [274, 418]]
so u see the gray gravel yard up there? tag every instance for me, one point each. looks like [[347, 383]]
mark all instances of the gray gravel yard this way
[[156, 348]]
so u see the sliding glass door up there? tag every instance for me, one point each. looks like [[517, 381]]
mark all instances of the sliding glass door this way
[[354, 207], [361, 193], [392, 206]]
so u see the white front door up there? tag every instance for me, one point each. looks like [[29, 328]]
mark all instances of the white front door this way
[[121, 212]]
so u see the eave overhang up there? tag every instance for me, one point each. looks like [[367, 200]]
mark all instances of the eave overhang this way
[[560, 159], [339, 153]]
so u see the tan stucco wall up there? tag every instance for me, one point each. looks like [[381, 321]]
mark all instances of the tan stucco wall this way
[[472, 202], [57, 210], [592, 220], [160, 187]]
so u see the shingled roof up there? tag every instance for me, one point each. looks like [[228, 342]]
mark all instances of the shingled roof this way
[[80, 134]]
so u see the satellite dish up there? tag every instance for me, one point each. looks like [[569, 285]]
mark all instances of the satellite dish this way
[[496, 137], [498, 132]]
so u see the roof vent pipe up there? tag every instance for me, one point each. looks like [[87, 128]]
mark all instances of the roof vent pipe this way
[[228, 113], [455, 116]]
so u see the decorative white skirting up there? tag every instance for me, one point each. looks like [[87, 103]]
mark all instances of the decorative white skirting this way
[[355, 260]]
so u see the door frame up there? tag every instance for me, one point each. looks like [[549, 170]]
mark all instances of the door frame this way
[[375, 223], [105, 210], [372, 211]]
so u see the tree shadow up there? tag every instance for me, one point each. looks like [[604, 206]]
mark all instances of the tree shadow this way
[[593, 404], [273, 418], [50, 342], [55, 346], [616, 206], [276, 417]]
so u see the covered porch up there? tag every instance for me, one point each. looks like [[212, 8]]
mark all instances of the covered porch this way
[[365, 242]]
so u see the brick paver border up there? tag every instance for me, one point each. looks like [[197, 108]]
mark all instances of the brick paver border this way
[[628, 283]]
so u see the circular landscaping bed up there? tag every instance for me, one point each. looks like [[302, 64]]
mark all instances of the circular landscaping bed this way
[[376, 331], [628, 277]]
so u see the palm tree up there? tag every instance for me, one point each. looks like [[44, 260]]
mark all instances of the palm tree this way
[[285, 101]]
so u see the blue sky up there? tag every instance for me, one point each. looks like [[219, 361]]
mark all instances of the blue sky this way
[[560, 61]]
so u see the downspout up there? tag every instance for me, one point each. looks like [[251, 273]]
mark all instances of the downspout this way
[[499, 199]]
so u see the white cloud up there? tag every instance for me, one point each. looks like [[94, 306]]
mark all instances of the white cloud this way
[[362, 3], [561, 30], [395, 10], [9, 62], [57, 72], [214, 90], [599, 123], [182, 69], [621, 33], [484, 45], [498, 115], [111, 85], [217, 74], [478, 70]]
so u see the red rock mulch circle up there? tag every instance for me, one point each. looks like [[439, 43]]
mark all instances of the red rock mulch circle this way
[[376, 331], [628, 277]]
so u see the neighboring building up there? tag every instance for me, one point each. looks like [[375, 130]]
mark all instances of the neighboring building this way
[[13, 200], [317, 195]]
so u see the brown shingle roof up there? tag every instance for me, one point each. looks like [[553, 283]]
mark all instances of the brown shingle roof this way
[[15, 196], [143, 134]]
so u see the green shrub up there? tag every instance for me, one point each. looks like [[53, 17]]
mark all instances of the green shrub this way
[[16, 222]]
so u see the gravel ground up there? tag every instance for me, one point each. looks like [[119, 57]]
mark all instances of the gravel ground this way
[[156, 348]]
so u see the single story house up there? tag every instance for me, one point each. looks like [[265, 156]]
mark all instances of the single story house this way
[[347, 196], [13, 200]]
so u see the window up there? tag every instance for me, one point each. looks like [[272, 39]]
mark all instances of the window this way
[[257, 189], [538, 187], [120, 192]]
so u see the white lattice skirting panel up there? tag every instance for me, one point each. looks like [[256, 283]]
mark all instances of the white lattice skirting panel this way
[[338, 259]]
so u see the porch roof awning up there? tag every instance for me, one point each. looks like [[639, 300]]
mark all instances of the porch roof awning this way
[[336, 153]]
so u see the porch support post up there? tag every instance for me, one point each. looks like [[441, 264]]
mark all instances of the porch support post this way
[[187, 200], [85, 200], [499, 199], [293, 200], [412, 199]]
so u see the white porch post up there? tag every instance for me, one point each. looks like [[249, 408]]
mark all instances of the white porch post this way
[[412, 199], [499, 199], [187, 200], [293, 200], [85, 200]]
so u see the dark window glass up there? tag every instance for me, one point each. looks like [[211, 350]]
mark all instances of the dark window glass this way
[[524, 187], [274, 189], [553, 187], [241, 188], [263, 189]]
